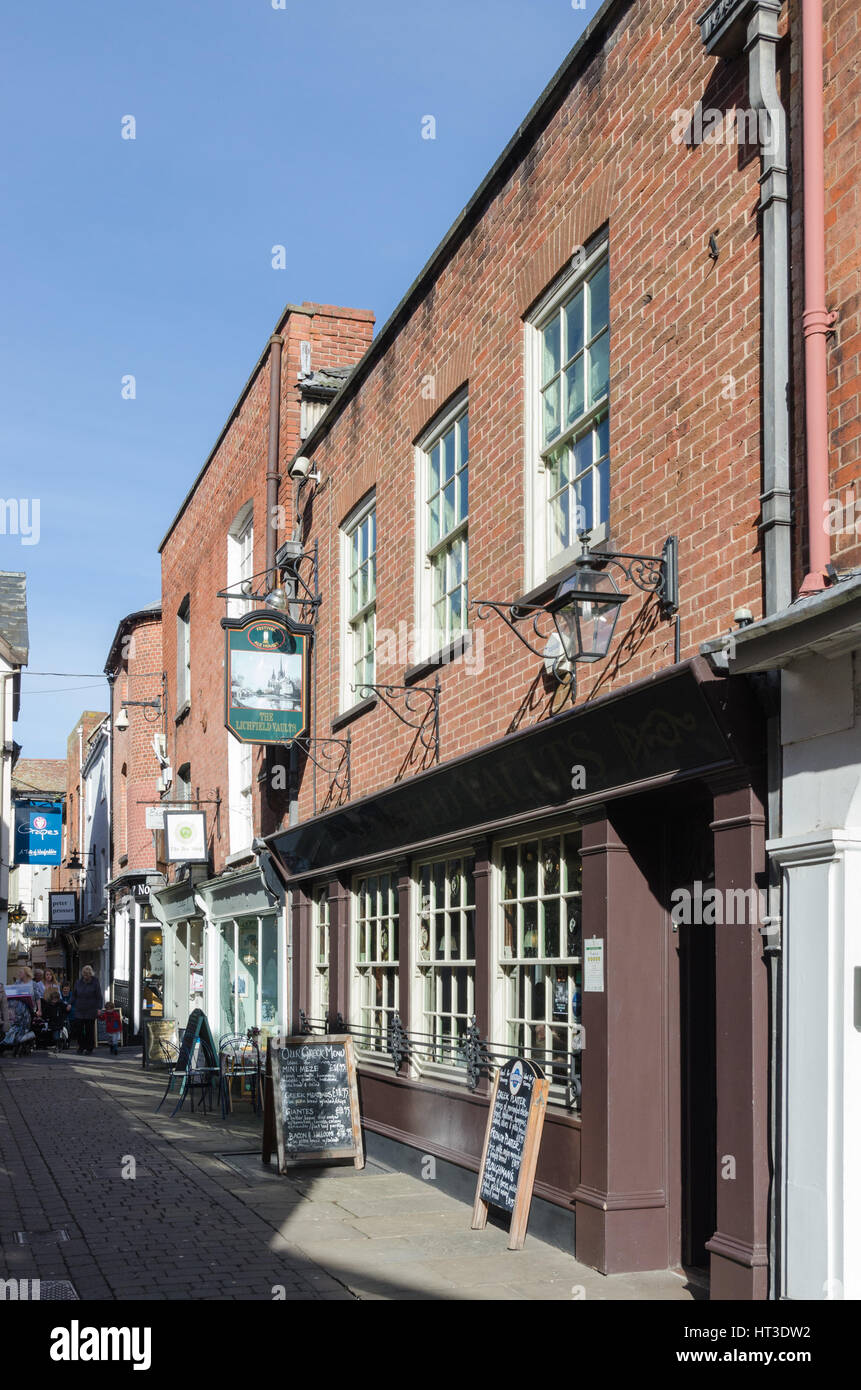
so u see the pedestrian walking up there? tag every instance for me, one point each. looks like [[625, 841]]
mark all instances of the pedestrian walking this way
[[38, 991], [87, 1000]]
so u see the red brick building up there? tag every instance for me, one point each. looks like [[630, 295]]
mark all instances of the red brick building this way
[[602, 342], [225, 924], [139, 778], [612, 339]]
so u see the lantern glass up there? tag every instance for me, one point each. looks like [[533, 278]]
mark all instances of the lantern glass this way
[[585, 610]]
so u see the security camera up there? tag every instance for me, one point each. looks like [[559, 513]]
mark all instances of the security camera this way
[[300, 470], [122, 720]]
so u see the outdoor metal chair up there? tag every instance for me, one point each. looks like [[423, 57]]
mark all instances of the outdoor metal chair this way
[[190, 1073], [240, 1058]]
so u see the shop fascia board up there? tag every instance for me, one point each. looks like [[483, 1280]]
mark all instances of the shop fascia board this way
[[672, 726], [825, 624]]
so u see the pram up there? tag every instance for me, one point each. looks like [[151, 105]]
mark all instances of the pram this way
[[54, 1029], [20, 1037]]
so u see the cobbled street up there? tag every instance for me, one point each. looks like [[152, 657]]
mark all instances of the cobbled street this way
[[202, 1219]]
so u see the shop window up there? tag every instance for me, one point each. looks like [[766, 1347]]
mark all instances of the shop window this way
[[359, 570], [445, 956], [568, 424], [248, 975], [442, 513], [183, 654], [540, 955], [152, 973], [320, 956], [376, 958], [188, 989]]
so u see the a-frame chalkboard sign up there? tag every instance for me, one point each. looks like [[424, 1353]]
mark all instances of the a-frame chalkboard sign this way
[[311, 1109], [506, 1175]]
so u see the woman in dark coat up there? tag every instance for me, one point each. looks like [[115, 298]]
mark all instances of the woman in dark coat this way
[[87, 1001]]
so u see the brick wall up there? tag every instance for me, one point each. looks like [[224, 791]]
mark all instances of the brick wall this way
[[685, 377], [194, 554], [135, 767]]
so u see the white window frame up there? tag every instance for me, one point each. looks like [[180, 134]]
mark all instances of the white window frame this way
[[502, 966], [359, 514], [421, 1064], [360, 970], [429, 641], [240, 558], [320, 953], [539, 564], [240, 788], [183, 654]]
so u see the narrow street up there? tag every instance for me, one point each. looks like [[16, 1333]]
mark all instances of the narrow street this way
[[200, 1219]]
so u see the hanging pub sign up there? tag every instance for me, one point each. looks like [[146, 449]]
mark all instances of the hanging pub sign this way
[[38, 832], [185, 837], [266, 687]]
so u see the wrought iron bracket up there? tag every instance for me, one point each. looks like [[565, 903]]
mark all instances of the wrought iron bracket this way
[[653, 574], [517, 613], [650, 573], [307, 594], [398, 1042], [340, 771], [336, 1024], [427, 729], [475, 1054]]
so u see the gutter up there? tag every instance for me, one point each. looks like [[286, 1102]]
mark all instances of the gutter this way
[[726, 26]]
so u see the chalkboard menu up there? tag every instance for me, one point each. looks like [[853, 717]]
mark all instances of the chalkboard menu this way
[[312, 1100], [510, 1155]]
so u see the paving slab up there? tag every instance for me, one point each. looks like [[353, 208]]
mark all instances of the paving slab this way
[[224, 1226]]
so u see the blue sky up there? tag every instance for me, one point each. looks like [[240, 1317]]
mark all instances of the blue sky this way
[[255, 126]]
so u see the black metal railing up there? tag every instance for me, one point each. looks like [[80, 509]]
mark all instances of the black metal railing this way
[[467, 1050]]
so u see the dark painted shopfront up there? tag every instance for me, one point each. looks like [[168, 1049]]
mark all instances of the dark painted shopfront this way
[[474, 889]]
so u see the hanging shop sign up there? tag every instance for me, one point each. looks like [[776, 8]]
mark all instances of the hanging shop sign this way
[[185, 834], [266, 684], [311, 1107], [38, 832], [506, 1175], [40, 929], [62, 909]]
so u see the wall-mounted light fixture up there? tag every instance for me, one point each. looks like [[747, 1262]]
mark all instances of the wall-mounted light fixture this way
[[121, 723], [585, 607]]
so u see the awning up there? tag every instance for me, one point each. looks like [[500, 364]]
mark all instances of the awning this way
[[681, 723], [237, 893]]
